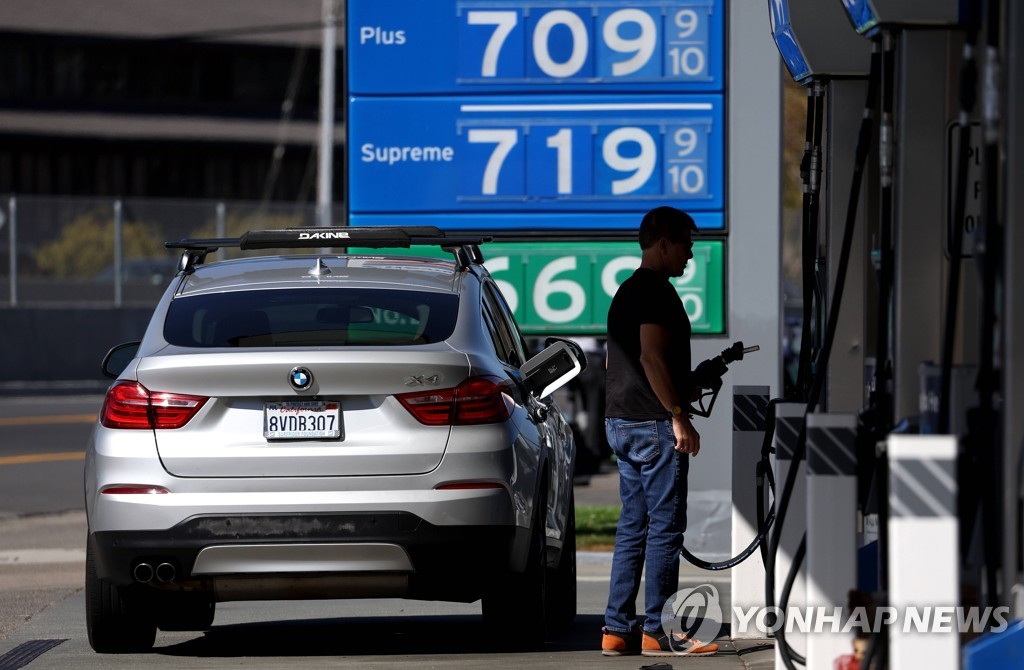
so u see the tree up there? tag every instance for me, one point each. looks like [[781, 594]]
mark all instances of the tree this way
[[86, 246]]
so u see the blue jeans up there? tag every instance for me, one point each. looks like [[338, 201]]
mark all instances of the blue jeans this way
[[652, 485]]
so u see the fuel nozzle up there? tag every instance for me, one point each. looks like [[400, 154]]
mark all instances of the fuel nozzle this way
[[708, 375], [736, 352]]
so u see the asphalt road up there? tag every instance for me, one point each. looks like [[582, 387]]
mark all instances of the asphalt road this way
[[42, 451], [42, 537], [339, 633]]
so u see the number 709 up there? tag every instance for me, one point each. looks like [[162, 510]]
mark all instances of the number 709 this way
[[630, 31]]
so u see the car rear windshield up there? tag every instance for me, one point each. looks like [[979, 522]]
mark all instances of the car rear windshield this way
[[324, 317]]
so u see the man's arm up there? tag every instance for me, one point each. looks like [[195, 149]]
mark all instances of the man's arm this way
[[654, 343]]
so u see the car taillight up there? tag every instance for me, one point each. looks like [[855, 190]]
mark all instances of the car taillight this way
[[174, 410], [433, 408], [475, 401], [480, 400], [131, 405]]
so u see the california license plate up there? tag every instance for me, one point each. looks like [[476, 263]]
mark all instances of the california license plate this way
[[301, 420]]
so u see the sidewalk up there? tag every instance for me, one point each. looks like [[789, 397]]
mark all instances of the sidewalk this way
[[595, 566], [598, 489]]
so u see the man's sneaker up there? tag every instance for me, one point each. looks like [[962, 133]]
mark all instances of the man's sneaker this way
[[680, 644], [614, 643]]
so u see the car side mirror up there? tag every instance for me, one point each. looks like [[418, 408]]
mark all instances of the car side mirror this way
[[118, 358], [552, 368]]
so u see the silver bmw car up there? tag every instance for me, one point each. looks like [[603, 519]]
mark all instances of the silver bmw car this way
[[330, 425]]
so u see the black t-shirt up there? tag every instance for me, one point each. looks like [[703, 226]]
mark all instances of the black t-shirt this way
[[646, 297]]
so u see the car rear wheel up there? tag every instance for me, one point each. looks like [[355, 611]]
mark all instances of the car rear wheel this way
[[562, 579], [114, 626], [516, 609]]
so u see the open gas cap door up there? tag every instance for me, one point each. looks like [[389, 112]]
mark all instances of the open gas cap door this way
[[552, 368]]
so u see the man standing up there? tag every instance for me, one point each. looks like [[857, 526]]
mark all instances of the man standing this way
[[649, 430]]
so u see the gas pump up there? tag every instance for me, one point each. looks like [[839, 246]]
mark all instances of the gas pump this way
[[908, 86], [898, 259], [968, 572]]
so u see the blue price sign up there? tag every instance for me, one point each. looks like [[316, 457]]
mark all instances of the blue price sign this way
[[555, 153], [406, 46]]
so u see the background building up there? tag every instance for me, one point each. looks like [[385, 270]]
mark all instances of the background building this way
[[144, 98]]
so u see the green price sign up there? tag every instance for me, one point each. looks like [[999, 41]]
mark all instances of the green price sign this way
[[566, 287]]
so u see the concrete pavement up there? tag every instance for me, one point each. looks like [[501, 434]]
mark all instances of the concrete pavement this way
[[42, 568]]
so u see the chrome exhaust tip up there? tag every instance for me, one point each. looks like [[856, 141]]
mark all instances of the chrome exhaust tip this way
[[143, 572], [165, 572]]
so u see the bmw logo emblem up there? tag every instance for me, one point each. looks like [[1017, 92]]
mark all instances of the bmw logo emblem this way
[[300, 378]]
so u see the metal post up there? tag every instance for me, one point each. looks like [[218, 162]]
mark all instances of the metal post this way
[[326, 168], [845, 108], [13, 233], [1013, 320], [831, 531], [921, 172], [221, 226], [748, 425], [118, 249], [923, 551]]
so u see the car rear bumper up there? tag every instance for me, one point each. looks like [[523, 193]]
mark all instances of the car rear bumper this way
[[319, 555]]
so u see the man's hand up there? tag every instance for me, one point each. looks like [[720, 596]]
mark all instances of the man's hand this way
[[709, 373], [687, 438]]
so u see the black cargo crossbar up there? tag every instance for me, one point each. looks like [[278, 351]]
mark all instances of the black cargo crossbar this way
[[465, 247]]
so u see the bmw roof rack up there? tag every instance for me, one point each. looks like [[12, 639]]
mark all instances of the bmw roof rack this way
[[465, 247]]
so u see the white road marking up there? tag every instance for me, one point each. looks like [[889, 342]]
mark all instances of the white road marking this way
[[40, 556]]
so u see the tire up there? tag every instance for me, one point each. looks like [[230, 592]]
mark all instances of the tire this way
[[516, 608], [185, 611], [113, 624], [562, 579]]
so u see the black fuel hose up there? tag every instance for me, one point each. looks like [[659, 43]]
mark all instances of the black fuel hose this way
[[810, 171], [789, 656], [968, 97], [762, 474], [987, 442]]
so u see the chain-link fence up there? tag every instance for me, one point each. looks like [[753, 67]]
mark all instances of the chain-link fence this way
[[59, 252]]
